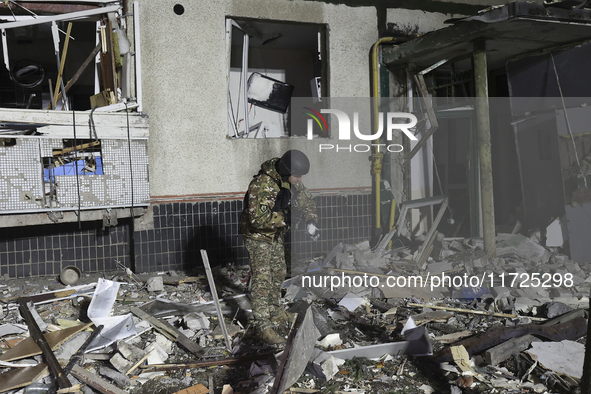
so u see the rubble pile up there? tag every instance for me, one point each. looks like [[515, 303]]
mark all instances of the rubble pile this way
[[519, 327]]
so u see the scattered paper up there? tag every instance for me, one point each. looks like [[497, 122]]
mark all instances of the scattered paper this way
[[116, 327]]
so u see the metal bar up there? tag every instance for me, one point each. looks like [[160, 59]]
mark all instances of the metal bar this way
[[169, 331], [245, 43], [37, 335], [63, 17], [138, 54], [80, 352], [229, 24], [424, 249], [484, 148], [422, 202], [433, 67], [5, 50], [50, 106], [215, 298]]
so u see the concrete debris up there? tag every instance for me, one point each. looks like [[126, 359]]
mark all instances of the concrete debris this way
[[330, 341], [118, 378], [155, 283], [427, 389], [565, 357], [227, 389], [66, 351], [554, 309], [521, 246], [352, 301], [348, 339], [325, 366], [164, 343], [130, 352], [120, 363], [196, 321]]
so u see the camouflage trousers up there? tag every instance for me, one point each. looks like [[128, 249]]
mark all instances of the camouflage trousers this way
[[267, 263]]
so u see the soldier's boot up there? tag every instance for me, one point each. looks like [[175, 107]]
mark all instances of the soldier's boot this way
[[284, 316], [270, 337]]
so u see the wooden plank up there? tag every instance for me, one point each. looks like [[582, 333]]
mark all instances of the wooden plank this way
[[95, 382], [169, 331], [473, 312], [427, 317], [503, 351], [140, 361], [197, 389], [74, 389], [107, 62], [21, 377], [37, 335], [203, 364], [77, 147], [29, 348], [43, 296], [59, 82], [75, 77], [102, 99]]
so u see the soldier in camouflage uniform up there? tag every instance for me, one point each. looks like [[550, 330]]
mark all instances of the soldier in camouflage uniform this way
[[274, 193]]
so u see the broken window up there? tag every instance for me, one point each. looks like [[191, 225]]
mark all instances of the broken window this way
[[74, 60], [270, 62]]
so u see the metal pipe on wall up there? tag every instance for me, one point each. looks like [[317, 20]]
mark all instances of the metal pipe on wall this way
[[376, 155]]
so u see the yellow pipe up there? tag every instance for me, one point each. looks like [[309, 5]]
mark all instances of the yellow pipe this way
[[392, 217], [377, 155]]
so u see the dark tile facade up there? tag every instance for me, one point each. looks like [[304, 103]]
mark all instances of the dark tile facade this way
[[181, 230]]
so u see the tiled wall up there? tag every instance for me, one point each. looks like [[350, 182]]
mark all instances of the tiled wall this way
[[181, 230]]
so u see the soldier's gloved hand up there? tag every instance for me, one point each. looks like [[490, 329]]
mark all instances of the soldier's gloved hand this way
[[313, 231]]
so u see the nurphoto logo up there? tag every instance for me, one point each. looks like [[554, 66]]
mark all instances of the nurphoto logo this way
[[402, 121]]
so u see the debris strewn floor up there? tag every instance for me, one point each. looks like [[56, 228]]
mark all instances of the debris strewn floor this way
[[160, 333]]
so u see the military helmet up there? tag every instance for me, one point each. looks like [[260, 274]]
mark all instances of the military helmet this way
[[293, 162]]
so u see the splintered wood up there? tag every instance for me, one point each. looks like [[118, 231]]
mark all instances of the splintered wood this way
[[29, 348], [21, 377], [197, 389]]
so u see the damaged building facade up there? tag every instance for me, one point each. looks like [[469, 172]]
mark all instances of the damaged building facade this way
[[189, 163], [172, 134]]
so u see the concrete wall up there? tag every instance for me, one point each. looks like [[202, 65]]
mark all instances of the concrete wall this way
[[184, 68]]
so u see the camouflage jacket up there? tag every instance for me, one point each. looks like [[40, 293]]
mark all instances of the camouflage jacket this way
[[261, 219]]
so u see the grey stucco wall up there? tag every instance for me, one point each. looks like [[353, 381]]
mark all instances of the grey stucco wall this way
[[184, 80]]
